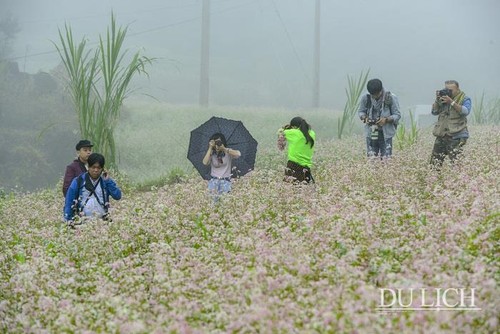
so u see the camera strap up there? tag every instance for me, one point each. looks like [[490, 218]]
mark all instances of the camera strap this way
[[91, 188], [386, 102]]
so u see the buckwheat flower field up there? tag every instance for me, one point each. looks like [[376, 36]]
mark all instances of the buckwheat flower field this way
[[270, 257]]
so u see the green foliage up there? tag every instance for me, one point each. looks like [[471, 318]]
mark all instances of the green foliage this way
[[407, 136], [82, 71], [99, 82], [9, 28], [35, 128], [486, 112], [3, 199], [176, 175], [353, 92], [122, 179], [201, 226]]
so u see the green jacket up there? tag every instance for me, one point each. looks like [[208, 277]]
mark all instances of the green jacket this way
[[298, 151]]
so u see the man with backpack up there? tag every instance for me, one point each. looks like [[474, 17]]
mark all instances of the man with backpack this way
[[88, 194], [379, 110]]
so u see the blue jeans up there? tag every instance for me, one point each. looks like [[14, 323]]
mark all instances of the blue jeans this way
[[379, 146], [217, 187]]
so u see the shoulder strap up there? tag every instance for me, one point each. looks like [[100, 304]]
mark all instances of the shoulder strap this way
[[92, 190], [388, 98], [79, 185], [83, 169], [104, 195], [79, 181], [388, 102]]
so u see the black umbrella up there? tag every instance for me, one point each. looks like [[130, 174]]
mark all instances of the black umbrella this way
[[237, 138]]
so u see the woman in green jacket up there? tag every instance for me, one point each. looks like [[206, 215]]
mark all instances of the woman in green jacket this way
[[300, 138]]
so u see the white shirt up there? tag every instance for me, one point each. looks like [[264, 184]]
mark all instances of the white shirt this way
[[93, 208], [221, 170]]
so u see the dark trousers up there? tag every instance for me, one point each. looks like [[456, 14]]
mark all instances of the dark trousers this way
[[297, 173], [446, 146]]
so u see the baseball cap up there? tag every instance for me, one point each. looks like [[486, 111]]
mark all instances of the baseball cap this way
[[83, 143]]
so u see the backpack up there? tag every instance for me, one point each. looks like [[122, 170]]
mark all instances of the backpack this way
[[387, 103], [76, 206]]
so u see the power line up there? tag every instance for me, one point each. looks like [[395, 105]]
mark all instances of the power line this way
[[197, 18], [290, 41], [191, 19], [155, 10], [105, 15]]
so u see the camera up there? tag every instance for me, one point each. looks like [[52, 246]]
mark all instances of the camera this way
[[218, 142], [371, 122], [445, 92]]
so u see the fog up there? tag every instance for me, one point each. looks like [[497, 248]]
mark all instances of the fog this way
[[261, 51]]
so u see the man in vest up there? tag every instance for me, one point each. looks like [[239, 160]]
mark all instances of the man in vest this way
[[452, 107], [379, 110]]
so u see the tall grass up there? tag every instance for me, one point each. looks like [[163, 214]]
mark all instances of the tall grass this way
[[486, 112], [81, 66], [407, 136], [99, 82], [353, 92]]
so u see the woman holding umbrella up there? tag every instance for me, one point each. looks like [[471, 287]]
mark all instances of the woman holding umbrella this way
[[219, 158], [300, 138]]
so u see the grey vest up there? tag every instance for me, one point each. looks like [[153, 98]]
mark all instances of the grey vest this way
[[449, 122]]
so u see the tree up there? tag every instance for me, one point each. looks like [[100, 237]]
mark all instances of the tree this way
[[9, 27], [99, 83]]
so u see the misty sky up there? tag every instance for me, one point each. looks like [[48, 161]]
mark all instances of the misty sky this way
[[262, 50]]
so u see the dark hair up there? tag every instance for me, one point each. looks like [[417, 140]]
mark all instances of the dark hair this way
[[96, 158], [374, 86], [221, 136], [304, 127]]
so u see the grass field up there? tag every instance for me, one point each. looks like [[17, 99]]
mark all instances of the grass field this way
[[272, 257], [153, 138]]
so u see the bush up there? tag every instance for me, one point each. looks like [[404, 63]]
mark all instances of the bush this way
[[35, 129]]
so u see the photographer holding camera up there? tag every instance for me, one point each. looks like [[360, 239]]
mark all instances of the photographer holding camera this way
[[452, 107], [300, 138], [219, 157], [379, 110]]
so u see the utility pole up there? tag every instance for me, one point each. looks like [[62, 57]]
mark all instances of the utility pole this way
[[316, 86], [205, 54]]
